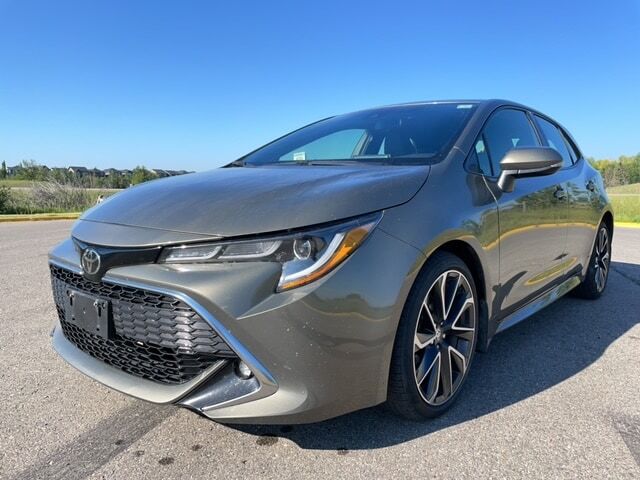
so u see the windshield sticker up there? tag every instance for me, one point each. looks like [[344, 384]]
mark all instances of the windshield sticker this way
[[299, 157]]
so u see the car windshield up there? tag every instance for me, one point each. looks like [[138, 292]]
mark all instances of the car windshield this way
[[407, 134]]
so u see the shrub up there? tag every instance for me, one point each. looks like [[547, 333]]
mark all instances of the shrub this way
[[5, 199], [54, 196], [141, 174]]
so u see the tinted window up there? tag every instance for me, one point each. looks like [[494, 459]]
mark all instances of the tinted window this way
[[340, 144], [505, 130], [402, 134], [575, 155], [555, 140]]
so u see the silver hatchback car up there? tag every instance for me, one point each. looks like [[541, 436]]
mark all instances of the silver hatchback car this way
[[361, 259]]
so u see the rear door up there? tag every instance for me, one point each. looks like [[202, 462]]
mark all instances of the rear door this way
[[533, 218], [580, 189]]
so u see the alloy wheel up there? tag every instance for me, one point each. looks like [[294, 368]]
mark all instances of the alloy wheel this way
[[444, 337], [602, 257]]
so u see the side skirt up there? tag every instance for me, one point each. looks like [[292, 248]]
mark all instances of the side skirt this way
[[539, 303]]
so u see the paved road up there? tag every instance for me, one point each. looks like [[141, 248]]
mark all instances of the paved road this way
[[556, 396]]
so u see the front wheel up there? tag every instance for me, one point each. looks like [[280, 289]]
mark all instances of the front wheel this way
[[598, 272], [436, 340]]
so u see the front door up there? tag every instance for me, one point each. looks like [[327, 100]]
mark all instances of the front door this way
[[532, 219]]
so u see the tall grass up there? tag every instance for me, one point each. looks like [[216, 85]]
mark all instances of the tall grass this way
[[632, 188], [54, 196], [50, 197], [626, 208], [626, 202]]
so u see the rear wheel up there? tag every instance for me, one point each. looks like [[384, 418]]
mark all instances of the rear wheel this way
[[436, 340], [598, 272]]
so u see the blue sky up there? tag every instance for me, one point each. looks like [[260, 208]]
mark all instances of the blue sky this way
[[194, 85]]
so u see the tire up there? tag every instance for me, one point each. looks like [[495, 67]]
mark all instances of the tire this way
[[434, 335], [595, 280]]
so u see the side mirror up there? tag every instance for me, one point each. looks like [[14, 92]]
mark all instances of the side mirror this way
[[527, 162]]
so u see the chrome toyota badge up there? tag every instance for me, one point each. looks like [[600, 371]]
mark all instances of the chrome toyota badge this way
[[90, 261]]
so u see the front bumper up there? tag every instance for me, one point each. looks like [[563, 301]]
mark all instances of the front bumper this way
[[316, 352]]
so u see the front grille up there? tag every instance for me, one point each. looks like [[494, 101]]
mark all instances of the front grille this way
[[157, 336]]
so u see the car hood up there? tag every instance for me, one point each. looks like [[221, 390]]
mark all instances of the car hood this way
[[251, 200]]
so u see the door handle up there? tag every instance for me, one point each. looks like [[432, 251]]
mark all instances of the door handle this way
[[591, 186], [560, 194]]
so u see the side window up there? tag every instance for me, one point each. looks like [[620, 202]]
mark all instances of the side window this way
[[575, 154], [555, 140], [505, 130]]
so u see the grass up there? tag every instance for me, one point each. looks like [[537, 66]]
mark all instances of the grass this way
[[13, 183], [48, 197], [632, 188], [626, 202], [626, 208], [24, 203], [6, 182]]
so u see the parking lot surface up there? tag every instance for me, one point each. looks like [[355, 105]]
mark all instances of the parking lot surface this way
[[556, 396]]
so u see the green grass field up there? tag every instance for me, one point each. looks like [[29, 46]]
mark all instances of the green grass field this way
[[626, 208], [15, 183], [626, 202], [633, 188]]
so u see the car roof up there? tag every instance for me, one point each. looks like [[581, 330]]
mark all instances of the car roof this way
[[484, 106], [491, 103]]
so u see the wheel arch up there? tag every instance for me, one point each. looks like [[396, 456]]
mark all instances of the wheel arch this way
[[467, 253]]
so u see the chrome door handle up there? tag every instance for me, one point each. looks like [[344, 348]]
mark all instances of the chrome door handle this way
[[591, 186]]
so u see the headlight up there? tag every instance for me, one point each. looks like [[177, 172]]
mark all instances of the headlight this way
[[305, 256]]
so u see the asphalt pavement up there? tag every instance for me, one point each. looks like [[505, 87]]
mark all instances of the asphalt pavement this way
[[556, 396]]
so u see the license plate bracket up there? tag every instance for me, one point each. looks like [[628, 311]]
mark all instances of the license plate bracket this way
[[90, 313]]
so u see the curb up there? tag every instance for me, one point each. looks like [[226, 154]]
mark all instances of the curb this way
[[626, 224], [38, 217]]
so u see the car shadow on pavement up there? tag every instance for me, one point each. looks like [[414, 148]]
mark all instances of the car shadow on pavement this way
[[534, 355]]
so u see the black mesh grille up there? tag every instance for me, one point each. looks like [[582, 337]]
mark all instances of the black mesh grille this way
[[157, 336]]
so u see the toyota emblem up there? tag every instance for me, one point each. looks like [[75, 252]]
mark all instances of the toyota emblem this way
[[90, 261]]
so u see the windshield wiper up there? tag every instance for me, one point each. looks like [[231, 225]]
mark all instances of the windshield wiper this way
[[330, 163], [371, 157], [356, 160]]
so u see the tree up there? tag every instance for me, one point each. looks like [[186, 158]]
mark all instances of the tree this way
[[622, 171], [30, 170], [61, 175], [3, 170], [119, 181], [141, 174]]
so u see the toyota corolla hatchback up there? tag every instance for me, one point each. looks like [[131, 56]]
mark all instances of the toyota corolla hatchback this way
[[359, 260]]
